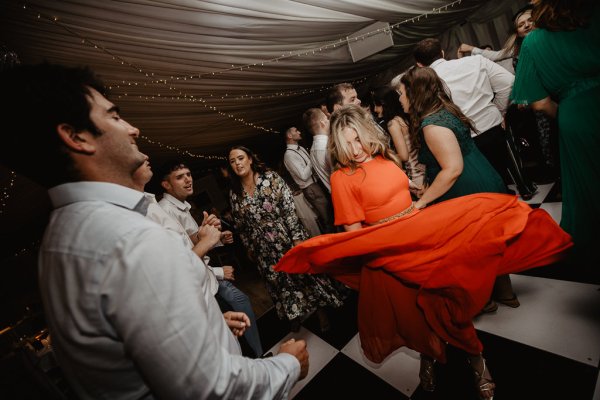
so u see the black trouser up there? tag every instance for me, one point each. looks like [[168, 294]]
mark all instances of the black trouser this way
[[320, 202], [499, 148]]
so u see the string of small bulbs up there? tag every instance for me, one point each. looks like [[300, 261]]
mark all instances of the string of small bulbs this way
[[180, 95], [150, 75], [179, 151], [5, 194], [329, 45]]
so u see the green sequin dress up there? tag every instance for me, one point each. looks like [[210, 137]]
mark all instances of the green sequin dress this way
[[478, 175]]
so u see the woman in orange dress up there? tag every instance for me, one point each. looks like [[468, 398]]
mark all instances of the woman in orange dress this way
[[422, 275]]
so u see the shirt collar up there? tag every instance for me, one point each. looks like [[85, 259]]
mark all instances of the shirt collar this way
[[183, 206], [437, 62], [73, 192], [150, 196]]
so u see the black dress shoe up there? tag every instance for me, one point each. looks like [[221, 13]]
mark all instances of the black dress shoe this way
[[526, 196]]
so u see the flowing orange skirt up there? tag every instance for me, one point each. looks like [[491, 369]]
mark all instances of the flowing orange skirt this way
[[423, 277]]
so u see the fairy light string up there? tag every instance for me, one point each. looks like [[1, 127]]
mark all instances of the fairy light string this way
[[329, 45], [5, 193], [180, 95], [147, 74]]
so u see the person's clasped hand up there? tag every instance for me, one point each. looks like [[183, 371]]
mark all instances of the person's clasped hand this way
[[237, 322], [298, 349]]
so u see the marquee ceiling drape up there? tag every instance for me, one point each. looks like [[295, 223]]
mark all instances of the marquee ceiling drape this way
[[141, 47]]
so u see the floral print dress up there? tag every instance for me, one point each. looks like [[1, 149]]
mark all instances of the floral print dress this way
[[267, 224]]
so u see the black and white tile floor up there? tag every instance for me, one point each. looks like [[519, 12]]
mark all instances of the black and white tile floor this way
[[548, 348]]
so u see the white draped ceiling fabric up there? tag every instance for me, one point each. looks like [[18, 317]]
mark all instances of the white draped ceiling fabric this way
[[200, 76]]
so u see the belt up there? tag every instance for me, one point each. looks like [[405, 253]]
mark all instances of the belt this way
[[402, 213]]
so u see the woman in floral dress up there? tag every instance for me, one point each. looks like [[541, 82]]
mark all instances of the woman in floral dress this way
[[265, 218]]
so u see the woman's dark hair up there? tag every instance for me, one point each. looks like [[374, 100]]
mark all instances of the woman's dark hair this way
[[256, 166], [392, 106], [561, 15], [427, 94]]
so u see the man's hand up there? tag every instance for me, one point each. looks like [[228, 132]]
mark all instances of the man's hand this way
[[226, 237], [210, 220], [209, 235], [228, 273], [298, 350], [237, 322]]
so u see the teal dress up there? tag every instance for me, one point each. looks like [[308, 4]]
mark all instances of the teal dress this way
[[478, 175], [566, 66]]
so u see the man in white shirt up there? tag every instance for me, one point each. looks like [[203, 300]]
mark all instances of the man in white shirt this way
[[127, 304], [297, 161], [481, 88], [317, 124], [178, 185]]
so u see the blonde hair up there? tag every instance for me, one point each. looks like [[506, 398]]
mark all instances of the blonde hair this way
[[372, 138]]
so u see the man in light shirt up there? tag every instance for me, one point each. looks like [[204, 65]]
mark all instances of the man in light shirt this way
[[178, 185], [317, 124], [123, 324], [297, 161]]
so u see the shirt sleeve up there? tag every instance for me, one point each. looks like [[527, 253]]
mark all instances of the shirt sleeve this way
[[493, 55], [218, 271], [501, 81], [175, 333], [297, 165], [528, 87], [347, 206]]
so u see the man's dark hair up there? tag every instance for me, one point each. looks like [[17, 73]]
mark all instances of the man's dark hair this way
[[170, 166], [335, 95], [34, 100], [427, 51]]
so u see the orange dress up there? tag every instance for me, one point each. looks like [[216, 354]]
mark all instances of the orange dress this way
[[423, 276]]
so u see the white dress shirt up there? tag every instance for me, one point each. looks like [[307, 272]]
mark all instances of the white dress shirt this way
[[479, 87], [180, 211], [157, 214], [500, 57], [297, 160], [129, 309], [319, 156]]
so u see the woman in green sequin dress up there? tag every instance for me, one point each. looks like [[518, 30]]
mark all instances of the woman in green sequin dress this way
[[454, 165]]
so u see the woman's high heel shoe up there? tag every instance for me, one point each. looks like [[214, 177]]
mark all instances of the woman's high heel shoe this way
[[427, 373], [483, 381]]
